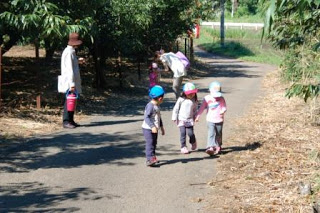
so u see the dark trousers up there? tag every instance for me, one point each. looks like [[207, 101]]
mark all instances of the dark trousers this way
[[183, 132], [151, 142], [67, 116]]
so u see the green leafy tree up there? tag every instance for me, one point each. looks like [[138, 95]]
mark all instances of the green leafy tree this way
[[39, 21], [8, 35], [109, 28], [294, 25]]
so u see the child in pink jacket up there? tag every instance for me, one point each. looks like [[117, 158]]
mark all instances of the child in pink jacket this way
[[215, 105], [153, 75]]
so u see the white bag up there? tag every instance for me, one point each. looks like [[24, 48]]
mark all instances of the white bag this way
[[62, 84]]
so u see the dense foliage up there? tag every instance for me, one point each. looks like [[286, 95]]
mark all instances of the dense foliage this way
[[294, 25], [110, 28]]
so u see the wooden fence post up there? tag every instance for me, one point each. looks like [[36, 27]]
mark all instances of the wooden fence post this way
[[0, 75], [38, 99], [177, 45], [185, 46], [191, 49]]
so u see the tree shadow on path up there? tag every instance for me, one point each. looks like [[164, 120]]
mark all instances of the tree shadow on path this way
[[247, 147], [108, 123], [19, 197], [72, 151], [184, 160]]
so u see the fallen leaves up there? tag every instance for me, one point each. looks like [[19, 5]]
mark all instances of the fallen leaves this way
[[276, 156]]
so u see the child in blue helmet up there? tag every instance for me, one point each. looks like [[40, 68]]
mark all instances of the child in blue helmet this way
[[152, 123], [183, 114], [216, 107]]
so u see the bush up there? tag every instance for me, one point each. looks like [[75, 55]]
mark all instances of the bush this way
[[301, 67]]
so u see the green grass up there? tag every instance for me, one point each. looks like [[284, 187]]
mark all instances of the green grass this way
[[241, 44], [242, 19]]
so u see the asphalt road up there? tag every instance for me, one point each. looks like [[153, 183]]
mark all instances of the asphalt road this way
[[100, 167]]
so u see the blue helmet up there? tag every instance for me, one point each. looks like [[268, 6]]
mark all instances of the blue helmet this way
[[156, 91]]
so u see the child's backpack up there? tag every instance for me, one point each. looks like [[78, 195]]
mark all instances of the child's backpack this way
[[184, 59]]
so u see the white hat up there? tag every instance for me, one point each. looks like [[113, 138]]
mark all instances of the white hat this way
[[215, 89], [154, 66]]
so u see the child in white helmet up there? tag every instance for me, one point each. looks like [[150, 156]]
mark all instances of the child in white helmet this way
[[184, 113], [216, 107]]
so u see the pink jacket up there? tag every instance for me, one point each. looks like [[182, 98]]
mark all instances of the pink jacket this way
[[153, 78], [216, 107]]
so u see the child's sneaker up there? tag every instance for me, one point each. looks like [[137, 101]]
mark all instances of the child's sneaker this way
[[217, 150], [184, 150], [210, 151], [152, 161], [194, 146]]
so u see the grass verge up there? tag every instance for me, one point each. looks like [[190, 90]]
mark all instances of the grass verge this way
[[241, 44]]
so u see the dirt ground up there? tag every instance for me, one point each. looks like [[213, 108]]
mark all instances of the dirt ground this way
[[21, 120], [281, 138], [281, 161]]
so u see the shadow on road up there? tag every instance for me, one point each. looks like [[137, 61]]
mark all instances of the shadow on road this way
[[183, 160], [108, 123], [72, 150], [131, 101], [222, 69], [251, 147], [18, 197]]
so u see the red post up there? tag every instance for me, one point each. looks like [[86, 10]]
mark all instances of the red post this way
[[197, 30]]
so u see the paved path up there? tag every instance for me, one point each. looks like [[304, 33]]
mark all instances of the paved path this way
[[100, 166]]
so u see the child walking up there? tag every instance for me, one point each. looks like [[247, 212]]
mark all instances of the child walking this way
[[152, 123], [153, 75], [184, 113], [215, 105], [154, 71]]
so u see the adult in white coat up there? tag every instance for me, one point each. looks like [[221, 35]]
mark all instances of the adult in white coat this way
[[175, 64], [70, 73]]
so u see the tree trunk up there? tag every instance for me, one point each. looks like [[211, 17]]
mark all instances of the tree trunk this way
[[49, 53], [99, 77], [234, 7], [119, 69], [222, 2], [236, 4], [14, 38], [36, 44], [50, 47], [140, 60]]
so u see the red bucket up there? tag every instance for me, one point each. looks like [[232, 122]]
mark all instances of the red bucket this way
[[71, 102]]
